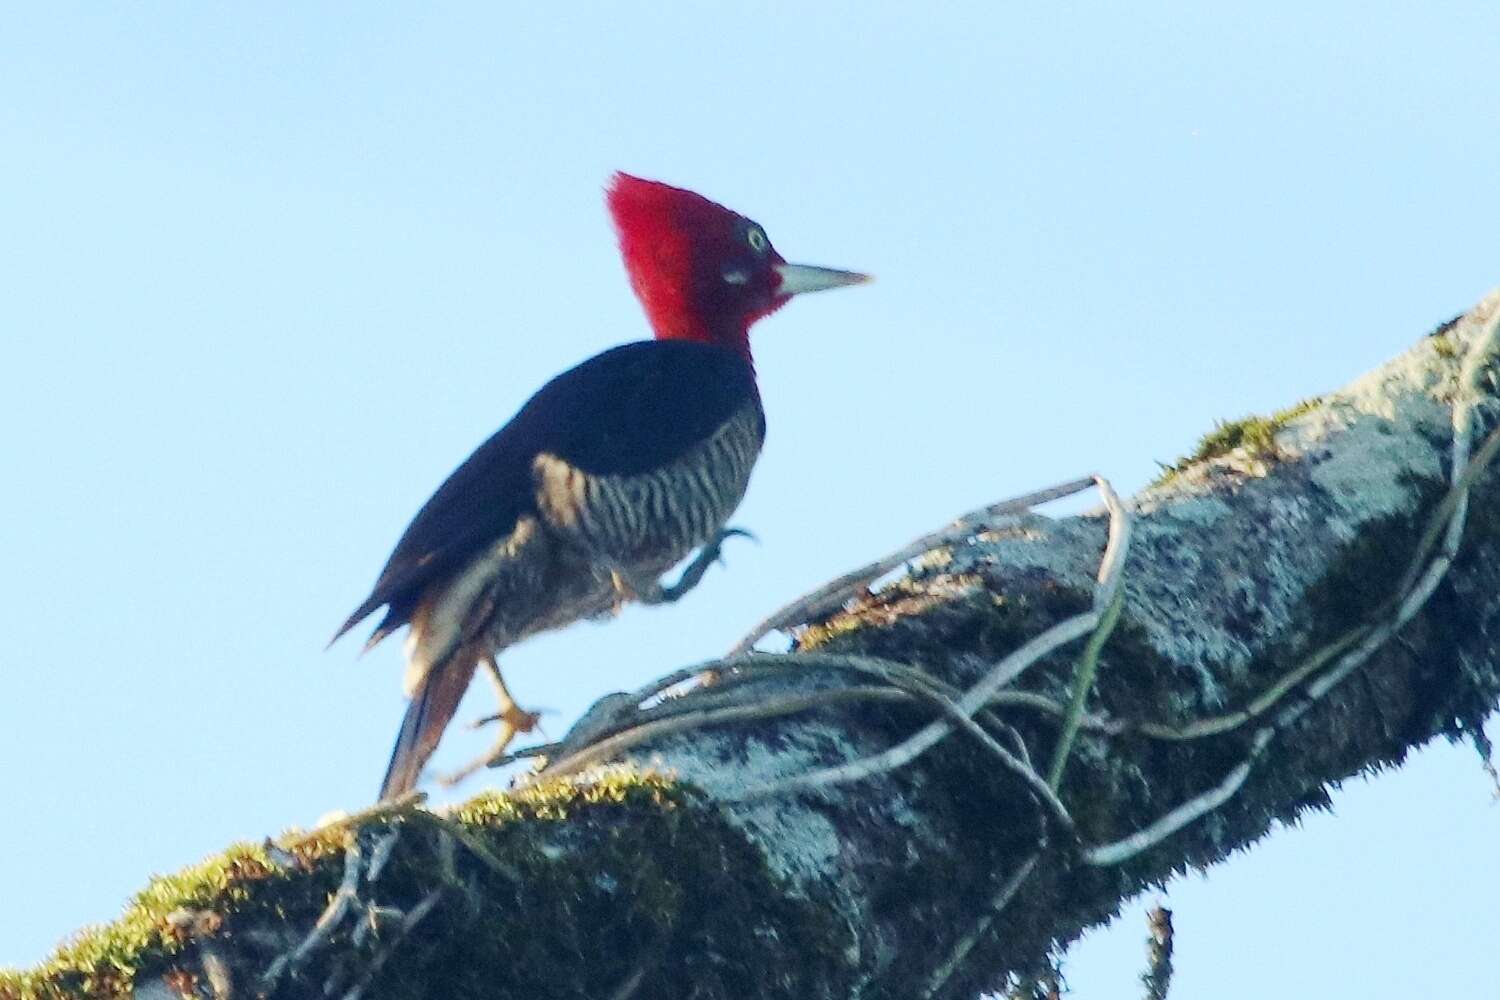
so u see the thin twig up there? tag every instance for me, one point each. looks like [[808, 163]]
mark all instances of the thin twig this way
[[1109, 599], [1456, 494], [370, 924], [526, 753], [964, 945], [642, 695], [1372, 639], [792, 705], [1158, 975], [1083, 682], [909, 749], [470, 842], [333, 914], [1176, 819], [921, 685], [220, 978], [610, 746], [931, 691], [1002, 675], [381, 853], [1112, 566], [1362, 641], [413, 917], [624, 717], [346, 896], [832, 595], [908, 692], [736, 671], [1414, 588], [1369, 641], [202, 925], [381, 810], [1051, 707], [1258, 706], [693, 706]]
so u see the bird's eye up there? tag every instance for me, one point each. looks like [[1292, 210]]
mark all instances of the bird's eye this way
[[758, 241]]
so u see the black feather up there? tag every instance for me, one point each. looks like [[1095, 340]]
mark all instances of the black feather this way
[[626, 411]]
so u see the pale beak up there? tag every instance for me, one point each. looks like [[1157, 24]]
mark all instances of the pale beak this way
[[799, 278]]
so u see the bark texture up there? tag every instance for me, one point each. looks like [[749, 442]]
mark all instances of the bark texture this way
[[619, 885]]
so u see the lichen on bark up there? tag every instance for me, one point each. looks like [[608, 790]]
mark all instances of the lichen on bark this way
[[660, 872]]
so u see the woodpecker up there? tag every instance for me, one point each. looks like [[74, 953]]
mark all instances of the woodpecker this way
[[613, 472]]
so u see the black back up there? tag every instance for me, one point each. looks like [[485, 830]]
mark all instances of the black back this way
[[626, 411]]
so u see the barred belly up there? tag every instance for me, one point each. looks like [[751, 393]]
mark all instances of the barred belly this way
[[643, 524]]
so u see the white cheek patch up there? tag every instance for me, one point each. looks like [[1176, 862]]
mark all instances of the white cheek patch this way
[[736, 277]]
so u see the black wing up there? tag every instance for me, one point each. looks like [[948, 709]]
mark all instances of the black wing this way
[[626, 411]]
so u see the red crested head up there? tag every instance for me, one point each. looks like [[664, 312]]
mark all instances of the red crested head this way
[[701, 271]]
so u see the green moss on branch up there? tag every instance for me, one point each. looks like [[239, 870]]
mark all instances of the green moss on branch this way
[[631, 874], [1255, 434]]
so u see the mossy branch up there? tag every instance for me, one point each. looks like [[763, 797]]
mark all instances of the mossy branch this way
[[687, 857]]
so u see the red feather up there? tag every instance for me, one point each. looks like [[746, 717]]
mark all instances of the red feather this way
[[677, 247]]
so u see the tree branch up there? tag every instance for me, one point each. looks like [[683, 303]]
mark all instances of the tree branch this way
[[801, 825]]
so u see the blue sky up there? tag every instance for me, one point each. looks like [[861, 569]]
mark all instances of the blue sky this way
[[269, 273]]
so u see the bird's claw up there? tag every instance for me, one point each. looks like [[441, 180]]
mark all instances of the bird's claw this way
[[627, 589], [514, 721], [521, 720], [734, 533], [693, 573]]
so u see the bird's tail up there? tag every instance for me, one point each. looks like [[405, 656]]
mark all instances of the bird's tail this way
[[431, 708]]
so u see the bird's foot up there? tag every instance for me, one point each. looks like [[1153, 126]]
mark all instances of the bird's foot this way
[[692, 574], [520, 724], [627, 588], [519, 720], [514, 721]]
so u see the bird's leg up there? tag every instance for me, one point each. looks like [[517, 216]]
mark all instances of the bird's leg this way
[[692, 574], [513, 720], [629, 587], [626, 589]]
